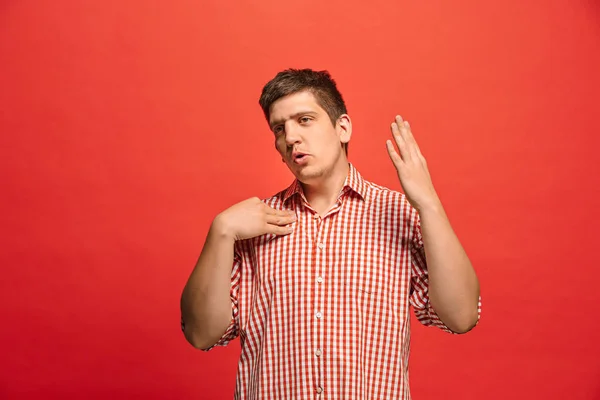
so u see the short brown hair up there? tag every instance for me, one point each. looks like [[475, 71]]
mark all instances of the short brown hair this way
[[319, 83]]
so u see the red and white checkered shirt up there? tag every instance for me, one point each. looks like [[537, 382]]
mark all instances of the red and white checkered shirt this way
[[323, 313]]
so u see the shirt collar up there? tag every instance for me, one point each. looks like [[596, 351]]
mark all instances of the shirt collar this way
[[354, 182]]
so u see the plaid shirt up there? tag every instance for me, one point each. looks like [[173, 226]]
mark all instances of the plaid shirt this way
[[323, 313]]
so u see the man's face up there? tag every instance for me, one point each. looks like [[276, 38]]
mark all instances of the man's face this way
[[306, 139]]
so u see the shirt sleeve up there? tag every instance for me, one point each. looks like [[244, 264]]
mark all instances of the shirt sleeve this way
[[419, 296], [232, 330]]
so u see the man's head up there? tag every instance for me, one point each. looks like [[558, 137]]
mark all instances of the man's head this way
[[307, 115]]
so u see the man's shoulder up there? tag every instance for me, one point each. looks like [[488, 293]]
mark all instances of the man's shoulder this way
[[277, 200], [382, 194], [380, 188]]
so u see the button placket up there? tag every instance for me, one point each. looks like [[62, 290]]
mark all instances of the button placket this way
[[320, 225]]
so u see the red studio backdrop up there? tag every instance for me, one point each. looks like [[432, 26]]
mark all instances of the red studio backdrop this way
[[126, 126]]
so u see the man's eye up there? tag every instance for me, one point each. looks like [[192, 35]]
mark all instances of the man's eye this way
[[304, 120], [277, 130]]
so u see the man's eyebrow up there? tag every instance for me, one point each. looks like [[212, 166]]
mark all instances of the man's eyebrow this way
[[293, 116]]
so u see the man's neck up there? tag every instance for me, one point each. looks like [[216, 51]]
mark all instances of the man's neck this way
[[322, 196]]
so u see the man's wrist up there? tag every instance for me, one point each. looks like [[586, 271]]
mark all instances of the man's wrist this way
[[432, 209], [221, 229]]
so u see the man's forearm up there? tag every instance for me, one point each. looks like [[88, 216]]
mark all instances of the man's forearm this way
[[205, 301], [453, 284]]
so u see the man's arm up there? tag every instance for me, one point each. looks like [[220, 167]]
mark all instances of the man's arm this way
[[205, 302], [453, 284]]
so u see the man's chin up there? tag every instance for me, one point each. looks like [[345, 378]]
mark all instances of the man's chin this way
[[304, 174]]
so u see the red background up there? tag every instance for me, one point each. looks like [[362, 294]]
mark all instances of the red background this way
[[127, 125]]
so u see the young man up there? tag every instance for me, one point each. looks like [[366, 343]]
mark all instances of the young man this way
[[317, 280]]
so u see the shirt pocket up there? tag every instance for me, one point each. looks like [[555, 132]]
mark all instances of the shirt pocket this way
[[371, 277], [360, 287]]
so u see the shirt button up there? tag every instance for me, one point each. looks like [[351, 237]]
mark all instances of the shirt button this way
[[319, 315], [320, 246], [319, 390], [318, 353], [319, 279]]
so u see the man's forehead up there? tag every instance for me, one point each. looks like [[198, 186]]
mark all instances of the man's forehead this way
[[293, 104]]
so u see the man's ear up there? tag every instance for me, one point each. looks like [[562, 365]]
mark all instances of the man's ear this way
[[344, 128]]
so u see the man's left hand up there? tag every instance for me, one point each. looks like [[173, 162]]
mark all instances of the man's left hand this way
[[411, 167]]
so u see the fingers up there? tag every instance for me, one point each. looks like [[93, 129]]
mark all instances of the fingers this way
[[280, 230], [411, 140], [279, 222], [272, 211], [281, 219], [394, 156], [400, 139], [404, 139]]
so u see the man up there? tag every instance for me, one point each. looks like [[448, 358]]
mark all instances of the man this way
[[317, 280]]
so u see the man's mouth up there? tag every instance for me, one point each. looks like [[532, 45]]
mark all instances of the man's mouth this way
[[299, 158]]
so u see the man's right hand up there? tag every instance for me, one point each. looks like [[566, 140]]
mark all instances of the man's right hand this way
[[251, 218]]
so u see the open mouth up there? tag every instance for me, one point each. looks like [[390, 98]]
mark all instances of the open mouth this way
[[299, 158]]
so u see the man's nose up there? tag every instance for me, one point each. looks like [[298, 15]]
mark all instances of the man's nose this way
[[292, 134]]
